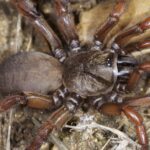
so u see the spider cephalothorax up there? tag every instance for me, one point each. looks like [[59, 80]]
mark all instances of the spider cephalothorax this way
[[80, 74], [90, 73]]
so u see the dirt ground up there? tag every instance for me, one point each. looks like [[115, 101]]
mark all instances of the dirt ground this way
[[87, 130]]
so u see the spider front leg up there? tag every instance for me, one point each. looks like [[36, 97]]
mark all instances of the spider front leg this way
[[116, 109], [137, 46], [28, 9], [65, 23], [136, 74], [112, 20], [131, 32]]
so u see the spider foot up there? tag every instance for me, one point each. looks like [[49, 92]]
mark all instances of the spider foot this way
[[132, 115]]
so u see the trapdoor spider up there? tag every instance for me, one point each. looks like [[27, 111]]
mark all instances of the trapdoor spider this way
[[77, 74]]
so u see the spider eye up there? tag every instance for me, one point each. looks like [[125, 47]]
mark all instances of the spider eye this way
[[109, 60], [109, 63]]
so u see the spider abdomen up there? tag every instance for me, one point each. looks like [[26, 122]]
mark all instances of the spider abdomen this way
[[30, 71], [89, 73]]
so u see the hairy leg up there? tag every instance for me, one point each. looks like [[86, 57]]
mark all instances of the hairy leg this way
[[56, 120], [111, 21], [137, 73], [137, 46], [131, 32], [138, 101], [34, 100], [65, 23], [28, 9]]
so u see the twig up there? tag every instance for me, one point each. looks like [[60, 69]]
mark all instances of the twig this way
[[108, 141], [57, 142], [18, 37], [9, 130]]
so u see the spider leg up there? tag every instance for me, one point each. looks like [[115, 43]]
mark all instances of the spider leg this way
[[137, 46], [34, 100], [111, 21], [10, 101], [28, 9], [131, 32], [138, 101], [56, 120], [65, 23], [136, 74], [132, 115]]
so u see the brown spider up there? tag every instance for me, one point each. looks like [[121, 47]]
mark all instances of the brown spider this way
[[94, 74]]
